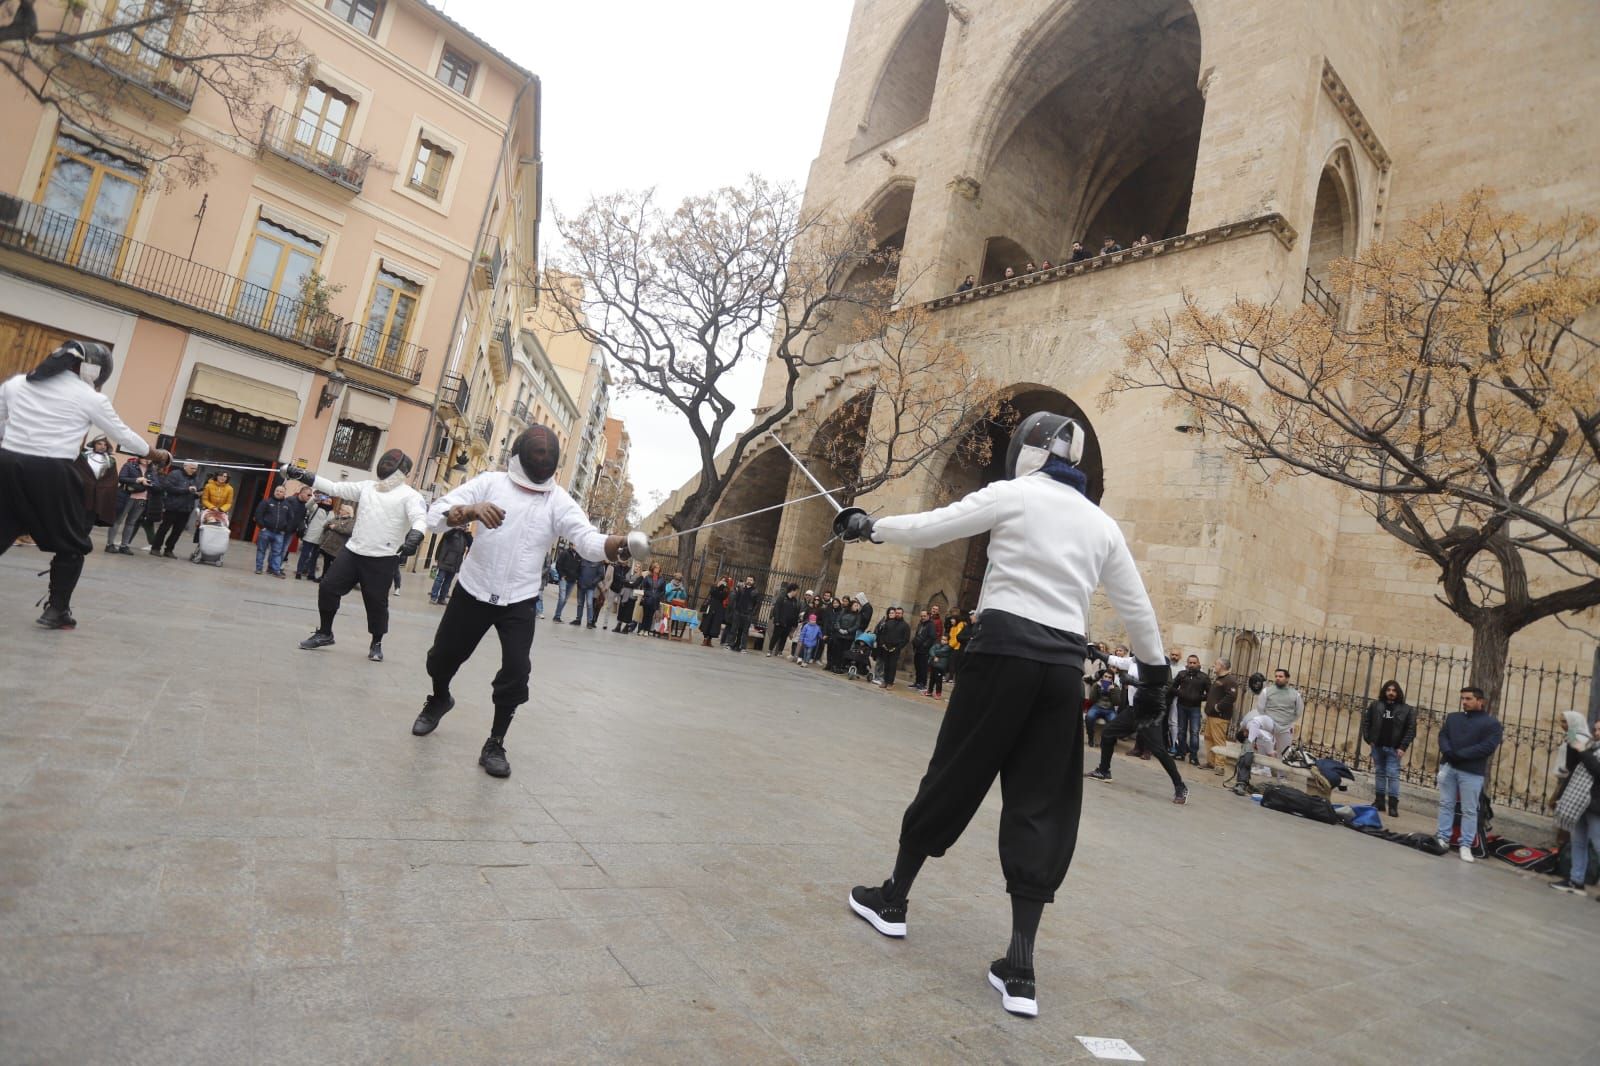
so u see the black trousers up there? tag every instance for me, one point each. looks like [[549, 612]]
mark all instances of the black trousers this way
[[1022, 720], [1126, 724], [466, 619], [43, 497], [778, 639], [891, 663], [919, 662], [739, 627], [375, 575], [173, 524]]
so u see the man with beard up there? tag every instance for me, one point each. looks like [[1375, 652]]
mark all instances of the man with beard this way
[[1018, 712], [44, 416], [1389, 725], [520, 512], [388, 530]]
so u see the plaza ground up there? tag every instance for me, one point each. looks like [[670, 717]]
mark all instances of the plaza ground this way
[[216, 848]]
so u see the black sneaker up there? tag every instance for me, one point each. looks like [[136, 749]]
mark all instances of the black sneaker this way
[[1099, 774], [111, 547], [125, 550], [1181, 795], [1015, 986], [1567, 886], [493, 759], [57, 618], [576, 622], [316, 640], [433, 709], [374, 653], [887, 916]]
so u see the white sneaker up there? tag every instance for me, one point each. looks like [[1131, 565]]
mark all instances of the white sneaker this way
[[1466, 853]]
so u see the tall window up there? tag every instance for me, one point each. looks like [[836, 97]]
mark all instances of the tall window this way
[[456, 70], [354, 444], [152, 35], [429, 168], [324, 119], [362, 14], [95, 194], [274, 270], [389, 316]]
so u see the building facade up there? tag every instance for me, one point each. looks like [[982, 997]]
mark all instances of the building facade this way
[[581, 370], [1252, 142], [308, 301]]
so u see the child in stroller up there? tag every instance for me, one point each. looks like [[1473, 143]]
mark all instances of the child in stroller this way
[[858, 660], [213, 537]]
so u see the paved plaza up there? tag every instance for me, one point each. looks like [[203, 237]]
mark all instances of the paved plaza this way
[[216, 848]]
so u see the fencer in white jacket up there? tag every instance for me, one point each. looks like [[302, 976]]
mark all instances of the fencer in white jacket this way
[[1018, 711]]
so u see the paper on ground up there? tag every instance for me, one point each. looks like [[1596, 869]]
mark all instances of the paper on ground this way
[[1108, 1047]]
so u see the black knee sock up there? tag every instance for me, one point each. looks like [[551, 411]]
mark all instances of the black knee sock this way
[[65, 568], [1025, 915], [906, 866], [502, 722], [326, 619]]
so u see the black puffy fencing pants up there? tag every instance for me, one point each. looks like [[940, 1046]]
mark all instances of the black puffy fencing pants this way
[[466, 619], [43, 497], [1126, 724], [375, 575], [1022, 720]]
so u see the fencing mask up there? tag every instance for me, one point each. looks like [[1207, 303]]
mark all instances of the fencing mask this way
[[392, 460], [90, 359], [1037, 438], [535, 458]]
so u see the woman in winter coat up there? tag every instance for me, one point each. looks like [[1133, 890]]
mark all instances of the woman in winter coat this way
[[846, 624], [335, 533], [1389, 724], [100, 485], [653, 589], [218, 494], [715, 612], [1586, 832]]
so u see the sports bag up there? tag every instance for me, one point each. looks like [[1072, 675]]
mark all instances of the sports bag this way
[[1293, 801], [1523, 857], [1574, 801]]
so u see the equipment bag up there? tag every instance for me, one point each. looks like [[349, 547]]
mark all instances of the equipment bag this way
[[1293, 801], [1523, 857]]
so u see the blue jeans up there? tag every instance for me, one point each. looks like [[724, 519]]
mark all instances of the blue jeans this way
[[269, 541], [441, 584], [1385, 771], [1585, 835], [1456, 784], [1097, 714], [1188, 738], [585, 603], [567, 588], [306, 565]]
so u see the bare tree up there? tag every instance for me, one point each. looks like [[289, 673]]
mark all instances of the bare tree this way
[[108, 61], [1455, 396], [684, 301]]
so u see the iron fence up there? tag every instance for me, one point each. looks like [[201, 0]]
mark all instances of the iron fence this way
[[386, 351], [316, 148], [1317, 294], [143, 57], [1338, 678], [105, 253]]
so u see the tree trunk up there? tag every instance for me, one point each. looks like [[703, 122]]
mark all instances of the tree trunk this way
[[686, 544], [1491, 646]]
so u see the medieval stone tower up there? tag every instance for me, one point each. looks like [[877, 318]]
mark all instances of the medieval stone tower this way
[[1253, 141]]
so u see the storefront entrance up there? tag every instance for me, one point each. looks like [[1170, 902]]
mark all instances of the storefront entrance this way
[[210, 433]]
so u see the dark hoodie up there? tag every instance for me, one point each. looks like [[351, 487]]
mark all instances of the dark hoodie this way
[[1389, 725]]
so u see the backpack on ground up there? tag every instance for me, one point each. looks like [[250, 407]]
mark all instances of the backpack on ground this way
[[1523, 857], [1293, 801]]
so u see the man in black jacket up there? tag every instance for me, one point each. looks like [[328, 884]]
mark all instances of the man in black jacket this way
[[923, 639], [568, 563], [179, 490], [892, 633], [745, 602], [1189, 688], [1389, 725], [1466, 741], [785, 616], [276, 518]]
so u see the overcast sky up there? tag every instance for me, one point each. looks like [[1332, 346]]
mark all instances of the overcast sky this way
[[682, 96]]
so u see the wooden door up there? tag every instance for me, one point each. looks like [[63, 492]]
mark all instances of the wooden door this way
[[24, 343]]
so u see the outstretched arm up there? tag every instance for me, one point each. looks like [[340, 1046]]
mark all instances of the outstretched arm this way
[[1125, 589], [967, 517]]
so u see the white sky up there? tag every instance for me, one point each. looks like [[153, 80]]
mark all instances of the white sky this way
[[682, 96]]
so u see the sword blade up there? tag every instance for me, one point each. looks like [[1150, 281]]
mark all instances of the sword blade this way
[[822, 491], [225, 466], [737, 517]]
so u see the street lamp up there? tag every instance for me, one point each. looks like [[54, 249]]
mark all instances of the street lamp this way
[[331, 391]]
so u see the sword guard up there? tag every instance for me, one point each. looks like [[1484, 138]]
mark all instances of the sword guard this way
[[852, 524]]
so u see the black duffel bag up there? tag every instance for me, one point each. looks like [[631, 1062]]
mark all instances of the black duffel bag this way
[[1293, 801]]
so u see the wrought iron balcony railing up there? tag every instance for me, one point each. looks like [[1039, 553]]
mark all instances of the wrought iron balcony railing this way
[[519, 411], [102, 253], [483, 429], [146, 57], [389, 353], [453, 393], [486, 268], [315, 149], [1317, 293]]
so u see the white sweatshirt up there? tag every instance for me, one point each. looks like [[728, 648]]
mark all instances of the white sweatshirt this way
[[382, 518], [1049, 548], [50, 418], [506, 564]]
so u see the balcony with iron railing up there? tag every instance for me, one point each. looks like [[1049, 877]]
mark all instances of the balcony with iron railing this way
[[1317, 294], [146, 57], [386, 352], [111, 257], [453, 393], [482, 429], [307, 145], [486, 268], [520, 413], [502, 341]]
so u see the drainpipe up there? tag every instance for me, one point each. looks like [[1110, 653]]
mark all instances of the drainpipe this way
[[461, 301]]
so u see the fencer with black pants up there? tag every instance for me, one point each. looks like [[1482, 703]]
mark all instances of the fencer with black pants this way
[[387, 530], [1018, 710], [44, 416], [521, 513]]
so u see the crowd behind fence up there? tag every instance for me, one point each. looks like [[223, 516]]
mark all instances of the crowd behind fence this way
[[1339, 677]]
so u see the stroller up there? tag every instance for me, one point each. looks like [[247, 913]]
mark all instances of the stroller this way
[[213, 534], [858, 660]]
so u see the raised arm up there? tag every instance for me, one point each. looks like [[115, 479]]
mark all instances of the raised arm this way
[[340, 490], [967, 517], [102, 414]]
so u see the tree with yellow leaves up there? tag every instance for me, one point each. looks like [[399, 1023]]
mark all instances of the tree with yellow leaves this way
[[1456, 391]]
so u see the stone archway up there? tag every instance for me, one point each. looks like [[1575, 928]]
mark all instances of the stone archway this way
[[1095, 130], [956, 569], [890, 211], [903, 96], [1333, 216], [804, 536], [999, 253], [762, 480]]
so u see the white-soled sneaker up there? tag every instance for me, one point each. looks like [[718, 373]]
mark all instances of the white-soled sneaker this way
[[887, 916], [1016, 988], [1466, 853]]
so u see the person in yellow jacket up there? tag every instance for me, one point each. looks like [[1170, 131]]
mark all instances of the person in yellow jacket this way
[[218, 494], [959, 621]]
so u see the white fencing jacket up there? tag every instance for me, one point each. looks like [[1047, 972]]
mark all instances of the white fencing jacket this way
[[1049, 548], [506, 564], [383, 518], [50, 418]]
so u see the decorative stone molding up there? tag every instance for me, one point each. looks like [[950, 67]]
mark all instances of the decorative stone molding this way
[[966, 186], [1337, 91], [1274, 224]]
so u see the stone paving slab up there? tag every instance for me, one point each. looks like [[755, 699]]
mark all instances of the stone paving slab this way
[[216, 848]]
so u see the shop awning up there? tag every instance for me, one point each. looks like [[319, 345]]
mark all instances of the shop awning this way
[[369, 410], [239, 393]]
